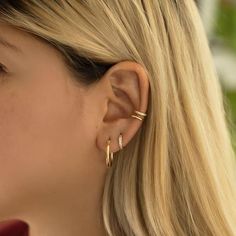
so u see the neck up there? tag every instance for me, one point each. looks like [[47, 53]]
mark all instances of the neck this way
[[68, 221], [68, 215]]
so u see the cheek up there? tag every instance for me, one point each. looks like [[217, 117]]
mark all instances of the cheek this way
[[37, 143]]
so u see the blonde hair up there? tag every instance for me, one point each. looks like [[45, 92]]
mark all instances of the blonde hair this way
[[177, 175]]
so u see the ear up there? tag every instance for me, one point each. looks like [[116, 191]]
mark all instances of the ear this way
[[127, 89]]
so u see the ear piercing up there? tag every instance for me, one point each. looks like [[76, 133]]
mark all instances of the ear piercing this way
[[109, 155], [120, 141], [139, 115]]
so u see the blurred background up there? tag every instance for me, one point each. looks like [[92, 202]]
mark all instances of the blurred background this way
[[219, 18]]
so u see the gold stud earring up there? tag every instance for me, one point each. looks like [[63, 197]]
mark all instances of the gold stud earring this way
[[109, 158]]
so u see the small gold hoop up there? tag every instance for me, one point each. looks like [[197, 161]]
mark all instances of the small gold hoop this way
[[109, 158], [120, 141]]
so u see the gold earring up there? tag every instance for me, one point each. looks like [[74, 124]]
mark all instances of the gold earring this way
[[120, 141], [109, 158], [139, 115]]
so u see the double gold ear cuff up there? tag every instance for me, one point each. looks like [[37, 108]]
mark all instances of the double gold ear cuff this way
[[109, 155], [139, 115]]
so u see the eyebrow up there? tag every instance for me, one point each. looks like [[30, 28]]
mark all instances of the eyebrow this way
[[8, 45]]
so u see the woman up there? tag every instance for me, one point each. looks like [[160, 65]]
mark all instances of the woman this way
[[112, 120]]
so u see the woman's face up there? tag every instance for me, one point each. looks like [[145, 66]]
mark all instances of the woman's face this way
[[47, 141]]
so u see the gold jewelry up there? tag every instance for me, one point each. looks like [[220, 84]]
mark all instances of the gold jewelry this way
[[139, 115], [120, 141], [109, 157]]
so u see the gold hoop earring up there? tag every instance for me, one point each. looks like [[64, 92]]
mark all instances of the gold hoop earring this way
[[120, 141], [109, 158], [139, 115]]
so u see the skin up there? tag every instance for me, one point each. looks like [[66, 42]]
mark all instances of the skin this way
[[53, 136]]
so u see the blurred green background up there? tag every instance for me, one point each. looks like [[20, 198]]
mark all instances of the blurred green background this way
[[225, 25], [225, 28]]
